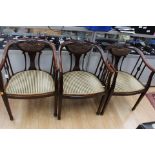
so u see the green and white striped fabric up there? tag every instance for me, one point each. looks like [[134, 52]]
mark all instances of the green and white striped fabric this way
[[30, 82], [127, 83], [81, 83]]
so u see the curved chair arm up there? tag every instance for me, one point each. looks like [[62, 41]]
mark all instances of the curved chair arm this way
[[56, 68], [1, 84], [146, 64], [107, 63], [109, 74], [54, 55], [4, 60], [5, 54], [142, 57], [60, 72]]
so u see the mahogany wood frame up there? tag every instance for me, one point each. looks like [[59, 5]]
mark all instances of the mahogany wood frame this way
[[137, 71], [31, 47], [103, 72]]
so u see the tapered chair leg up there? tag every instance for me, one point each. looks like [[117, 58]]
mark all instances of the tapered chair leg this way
[[102, 102], [59, 107], [106, 103], [138, 101], [6, 102], [55, 104]]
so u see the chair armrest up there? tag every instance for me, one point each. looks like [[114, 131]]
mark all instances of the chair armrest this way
[[60, 71], [5, 54], [1, 83], [2, 64], [142, 57], [146, 64], [109, 72], [54, 56], [109, 66]]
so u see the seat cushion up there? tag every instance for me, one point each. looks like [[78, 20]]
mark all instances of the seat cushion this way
[[127, 83], [30, 82], [81, 83]]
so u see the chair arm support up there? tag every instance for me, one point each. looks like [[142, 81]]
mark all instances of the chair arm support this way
[[54, 56], [2, 64], [108, 65], [60, 82], [149, 80], [1, 83], [5, 54]]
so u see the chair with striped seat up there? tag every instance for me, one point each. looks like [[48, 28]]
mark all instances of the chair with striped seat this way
[[128, 77], [77, 81], [32, 81]]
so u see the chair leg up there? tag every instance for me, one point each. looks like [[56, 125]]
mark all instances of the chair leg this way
[[102, 102], [138, 101], [59, 107], [106, 103], [6, 102], [55, 104]]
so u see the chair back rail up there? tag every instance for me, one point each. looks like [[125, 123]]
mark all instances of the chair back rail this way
[[78, 50]]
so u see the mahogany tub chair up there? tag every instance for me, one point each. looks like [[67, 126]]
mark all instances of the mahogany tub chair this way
[[77, 82], [31, 81], [129, 74]]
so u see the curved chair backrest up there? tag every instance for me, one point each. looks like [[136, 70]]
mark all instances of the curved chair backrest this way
[[118, 52], [76, 49], [81, 52], [30, 48], [136, 65]]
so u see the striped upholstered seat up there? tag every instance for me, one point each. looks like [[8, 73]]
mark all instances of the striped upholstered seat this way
[[30, 82], [81, 83], [127, 83]]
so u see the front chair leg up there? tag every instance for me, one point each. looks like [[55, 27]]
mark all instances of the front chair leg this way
[[55, 105], [6, 102], [59, 107], [138, 101], [102, 102], [106, 103]]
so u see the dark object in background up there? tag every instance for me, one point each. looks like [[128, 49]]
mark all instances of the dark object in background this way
[[144, 29], [56, 42], [143, 46], [148, 125]]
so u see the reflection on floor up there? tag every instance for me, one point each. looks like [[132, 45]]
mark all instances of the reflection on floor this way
[[38, 113]]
